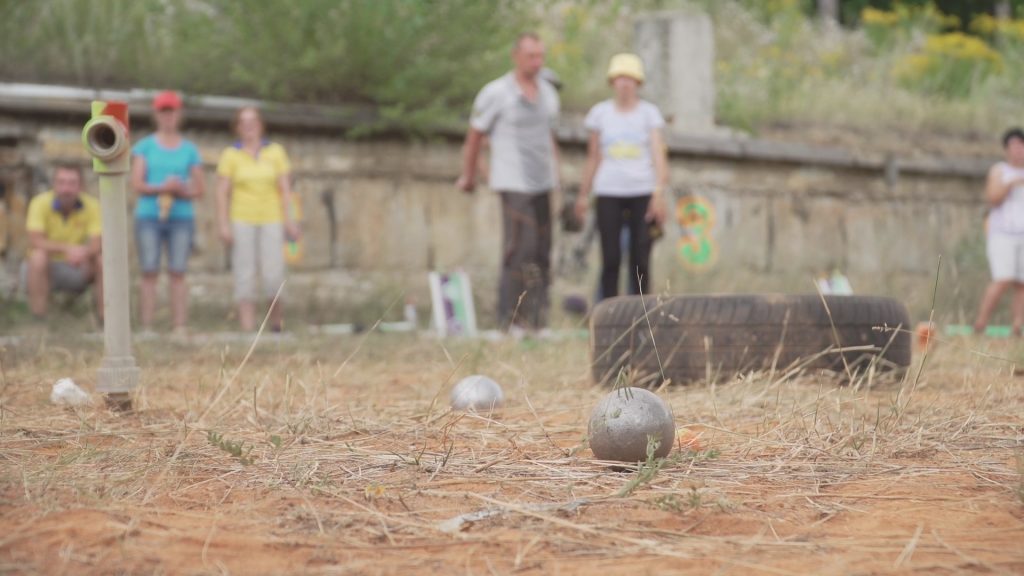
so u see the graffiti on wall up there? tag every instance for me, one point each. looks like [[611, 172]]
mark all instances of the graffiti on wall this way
[[697, 249]]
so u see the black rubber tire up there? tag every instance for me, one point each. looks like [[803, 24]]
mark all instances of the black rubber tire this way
[[699, 337]]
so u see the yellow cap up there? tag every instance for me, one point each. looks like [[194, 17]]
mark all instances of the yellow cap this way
[[628, 65]]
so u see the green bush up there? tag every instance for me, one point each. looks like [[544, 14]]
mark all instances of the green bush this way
[[949, 64], [420, 61]]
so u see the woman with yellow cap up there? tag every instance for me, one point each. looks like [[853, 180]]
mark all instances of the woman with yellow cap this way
[[627, 170]]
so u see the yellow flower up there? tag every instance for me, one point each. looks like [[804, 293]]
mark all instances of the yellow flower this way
[[961, 46], [951, 64], [983, 24], [913, 67], [1011, 28], [874, 17]]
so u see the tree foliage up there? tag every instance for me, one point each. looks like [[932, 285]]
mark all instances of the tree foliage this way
[[417, 60]]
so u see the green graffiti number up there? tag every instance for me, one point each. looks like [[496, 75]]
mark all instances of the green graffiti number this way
[[697, 250]]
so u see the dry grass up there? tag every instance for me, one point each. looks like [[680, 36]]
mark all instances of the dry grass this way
[[341, 456]]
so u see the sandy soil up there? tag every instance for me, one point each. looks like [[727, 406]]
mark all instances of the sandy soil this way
[[351, 463]]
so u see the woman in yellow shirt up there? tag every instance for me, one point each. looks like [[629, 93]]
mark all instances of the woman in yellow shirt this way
[[253, 192]]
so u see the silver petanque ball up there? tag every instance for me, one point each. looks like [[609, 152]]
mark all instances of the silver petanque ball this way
[[622, 422], [477, 393]]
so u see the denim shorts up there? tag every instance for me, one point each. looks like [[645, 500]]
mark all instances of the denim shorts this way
[[152, 235], [64, 277]]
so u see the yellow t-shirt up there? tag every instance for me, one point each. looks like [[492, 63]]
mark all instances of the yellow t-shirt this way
[[255, 198], [80, 226]]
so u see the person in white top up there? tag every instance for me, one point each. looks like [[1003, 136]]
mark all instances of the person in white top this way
[[627, 170], [1004, 192]]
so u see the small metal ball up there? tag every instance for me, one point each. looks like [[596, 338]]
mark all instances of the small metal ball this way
[[476, 393], [622, 422]]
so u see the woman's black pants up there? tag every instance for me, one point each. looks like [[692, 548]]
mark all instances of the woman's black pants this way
[[612, 214]]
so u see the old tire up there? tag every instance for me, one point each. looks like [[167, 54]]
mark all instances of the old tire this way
[[714, 337]]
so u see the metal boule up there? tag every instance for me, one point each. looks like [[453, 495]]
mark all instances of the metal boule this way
[[477, 392], [623, 422]]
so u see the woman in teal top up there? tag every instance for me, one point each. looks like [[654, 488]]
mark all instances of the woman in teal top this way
[[167, 174]]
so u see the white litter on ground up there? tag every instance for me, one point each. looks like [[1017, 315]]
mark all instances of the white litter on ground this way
[[67, 393]]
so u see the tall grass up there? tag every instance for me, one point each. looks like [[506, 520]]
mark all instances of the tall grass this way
[[909, 71], [906, 69]]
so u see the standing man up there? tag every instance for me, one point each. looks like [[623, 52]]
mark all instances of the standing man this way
[[64, 235], [518, 112], [1004, 193]]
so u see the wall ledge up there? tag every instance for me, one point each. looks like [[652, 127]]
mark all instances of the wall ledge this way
[[207, 110]]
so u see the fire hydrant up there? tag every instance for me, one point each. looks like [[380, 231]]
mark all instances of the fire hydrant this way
[[106, 139]]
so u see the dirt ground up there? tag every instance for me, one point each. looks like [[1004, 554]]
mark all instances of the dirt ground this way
[[341, 457]]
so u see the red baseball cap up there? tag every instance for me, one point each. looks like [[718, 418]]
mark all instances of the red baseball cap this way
[[167, 100]]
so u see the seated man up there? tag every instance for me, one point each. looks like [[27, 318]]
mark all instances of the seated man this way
[[64, 241]]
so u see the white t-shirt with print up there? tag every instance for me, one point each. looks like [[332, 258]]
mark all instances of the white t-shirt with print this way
[[627, 167], [1008, 217]]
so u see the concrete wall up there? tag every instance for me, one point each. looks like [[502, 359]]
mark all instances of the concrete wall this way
[[782, 215]]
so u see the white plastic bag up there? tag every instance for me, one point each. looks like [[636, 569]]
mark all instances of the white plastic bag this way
[[67, 393]]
